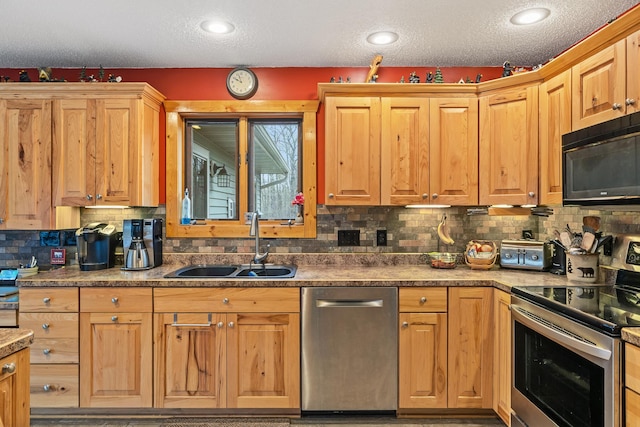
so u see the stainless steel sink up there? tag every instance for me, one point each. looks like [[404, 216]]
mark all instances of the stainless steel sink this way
[[247, 271]]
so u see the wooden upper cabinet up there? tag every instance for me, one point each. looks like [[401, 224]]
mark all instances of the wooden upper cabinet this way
[[453, 151], [632, 101], [404, 160], [25, 165], [106, 146], [509, 147], [555, 120], [599, 86], [352, 159]]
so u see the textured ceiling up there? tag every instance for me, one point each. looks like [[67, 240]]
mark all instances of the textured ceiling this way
[[290, 33]]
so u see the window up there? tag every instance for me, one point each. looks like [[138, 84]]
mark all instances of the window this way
[[256, 158]]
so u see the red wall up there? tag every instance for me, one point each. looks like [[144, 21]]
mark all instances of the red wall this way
[[274, 83]]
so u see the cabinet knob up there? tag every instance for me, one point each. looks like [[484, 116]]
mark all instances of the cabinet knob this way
[[114, 300], [46, 387], [1, 220], [46, 351], [231, 324], [434, 196], [46, 300], [630, 101], [423, 300], [424, 196], [616, 106], [89, 197], [331, 195], [405, 324], [114, 318], [98, 196], [220, 325], [8, 368], [45, 326], [225, 300], [532, 194]]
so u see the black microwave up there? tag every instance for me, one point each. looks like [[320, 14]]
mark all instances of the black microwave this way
[[601, 164]]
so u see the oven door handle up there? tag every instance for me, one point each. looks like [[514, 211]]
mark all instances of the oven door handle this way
[[523, 317]]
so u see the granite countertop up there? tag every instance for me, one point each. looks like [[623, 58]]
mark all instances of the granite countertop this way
[[313, 270], [13, 340]]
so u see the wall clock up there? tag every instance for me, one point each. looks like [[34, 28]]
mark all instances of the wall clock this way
[[242, 83]]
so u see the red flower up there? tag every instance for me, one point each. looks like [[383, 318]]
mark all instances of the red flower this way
[[298, 200]]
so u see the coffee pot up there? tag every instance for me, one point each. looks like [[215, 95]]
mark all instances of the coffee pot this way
[[142, 243]]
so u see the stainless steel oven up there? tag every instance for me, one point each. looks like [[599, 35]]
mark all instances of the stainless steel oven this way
[[564, 372]]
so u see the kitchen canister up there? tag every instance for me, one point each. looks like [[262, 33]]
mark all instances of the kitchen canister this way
[[582, 268]]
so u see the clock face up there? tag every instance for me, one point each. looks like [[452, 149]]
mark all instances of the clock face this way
[[242, 83]]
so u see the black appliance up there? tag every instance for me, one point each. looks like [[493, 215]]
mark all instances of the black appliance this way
[[97, 246], [600, 164], [142, 243], [558, 258]]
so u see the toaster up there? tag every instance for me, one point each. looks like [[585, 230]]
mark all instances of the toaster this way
[[525, 254]]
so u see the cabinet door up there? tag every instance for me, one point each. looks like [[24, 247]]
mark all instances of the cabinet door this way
[[502, 356], [116, 360], [352, 151], [453, 153], [117, 152], [74, 152], [263, 360], [632, 100], [404, 159], [470, 355], [509, 147], [190, 355], [25, 164], [555, 121], [423, 360], [598, 86], [14, 389]]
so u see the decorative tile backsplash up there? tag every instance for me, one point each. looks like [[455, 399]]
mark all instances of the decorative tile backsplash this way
[[408, 231]]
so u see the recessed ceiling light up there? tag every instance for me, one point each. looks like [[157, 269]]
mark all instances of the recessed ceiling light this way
[[217, 27], [382, 37], [530, 16]]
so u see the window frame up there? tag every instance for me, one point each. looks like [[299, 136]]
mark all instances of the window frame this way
[[177, 112]]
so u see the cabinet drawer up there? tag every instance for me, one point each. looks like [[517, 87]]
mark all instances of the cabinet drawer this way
[[48, 300], [54, 350], [54, 386], [426, 300], [51, 325], [253, 300], [114, 300], [632, 367]]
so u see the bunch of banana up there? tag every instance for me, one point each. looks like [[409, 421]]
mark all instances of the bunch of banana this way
[[443, 231]]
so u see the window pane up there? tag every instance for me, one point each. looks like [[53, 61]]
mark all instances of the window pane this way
[[276, 148], [213, 168]]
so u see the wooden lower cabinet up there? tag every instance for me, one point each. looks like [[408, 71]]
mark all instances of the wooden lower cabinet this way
[[226, 359], [14, 386], [116, 351], [502, 355], [470, 368], [632, 384]]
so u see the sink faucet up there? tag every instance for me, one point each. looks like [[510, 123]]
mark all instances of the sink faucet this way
[[258, 258]]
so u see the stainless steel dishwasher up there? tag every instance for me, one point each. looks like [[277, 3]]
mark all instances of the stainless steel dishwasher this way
[[349, 349]]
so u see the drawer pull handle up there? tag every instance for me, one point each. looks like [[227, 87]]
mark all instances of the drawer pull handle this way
[[114, 318], [46, 300], [175, 323], [114, 300], [225, 300], [423, 300], [231, 324], [45, 326], [47, 387], [46, 351], [8, 368]]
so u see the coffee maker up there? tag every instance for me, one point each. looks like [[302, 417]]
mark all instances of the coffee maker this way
[[97, 246], [142, 243], [558, 258]]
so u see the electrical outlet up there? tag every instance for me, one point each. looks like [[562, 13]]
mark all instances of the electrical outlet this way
[[527, 234], [381, 238], [348, 237]]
